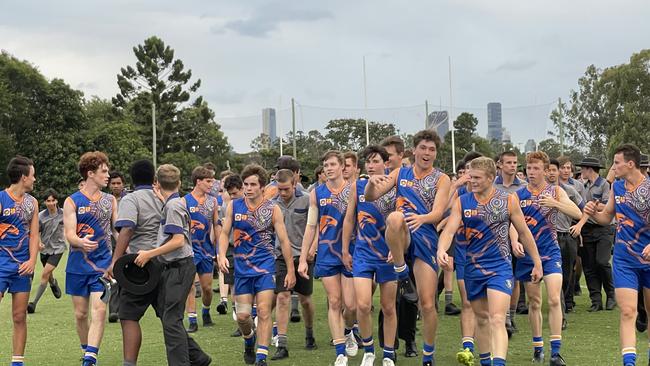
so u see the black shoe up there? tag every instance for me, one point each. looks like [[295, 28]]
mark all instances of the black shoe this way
[[222, 308], [310, 343], [538, 357], [249, 354], [522, 309], [569, 309], [260, 363], [564, 325], [113, 318], [204, 360], [331, 342], [295, 316], [207, 320], [215, 290], [409, 292], [557, 360], [577, 291], [56, 290], [451, 309], [610, 304], [642, 322], [411, 350], [513, 324], [509, 329], [595, 307], [280, 353], [193, 328], [31, 308]]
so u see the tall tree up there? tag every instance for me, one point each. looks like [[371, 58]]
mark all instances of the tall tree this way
[[350, 134], [465, 140]]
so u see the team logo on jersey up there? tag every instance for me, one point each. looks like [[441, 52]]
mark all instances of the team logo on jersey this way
[[619, 199], [525, 203], [362, 198], [405, 183], [8, 211], [470, 213], [509, 284], [241, 217], [83, 210], [558, 264], [194, 209], [325, 201]]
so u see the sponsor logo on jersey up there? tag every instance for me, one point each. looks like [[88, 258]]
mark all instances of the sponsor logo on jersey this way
[[241, 217], [325, 201], [405, 183], [8, 211], [362, 198], [83, 210], [619, 199], [470, 213]]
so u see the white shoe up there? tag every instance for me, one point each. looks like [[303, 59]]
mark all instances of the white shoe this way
[[387, 362], [351, 346], [341, 361], [274, 341], [234, 314], [368, 359]]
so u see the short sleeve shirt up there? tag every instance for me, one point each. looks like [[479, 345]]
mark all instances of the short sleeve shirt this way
[[564, 221], [175, 220], [596, 191], [295, 221], [141, 211], [516, 185], [51, 229]]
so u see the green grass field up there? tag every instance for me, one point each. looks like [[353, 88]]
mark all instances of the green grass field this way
[[591, 339]]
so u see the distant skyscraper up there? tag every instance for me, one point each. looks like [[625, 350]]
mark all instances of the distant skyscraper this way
[[268, 124], [494, 122], [530, 146], [505, 136], [439, 121]]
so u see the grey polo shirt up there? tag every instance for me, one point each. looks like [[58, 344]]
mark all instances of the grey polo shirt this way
[[564, 221], [516, 185], [51, 229], [295, 220], [596, 191], [175, 220], [140, 211]]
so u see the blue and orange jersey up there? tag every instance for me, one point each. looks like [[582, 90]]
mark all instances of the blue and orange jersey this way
[[254, 238], [542, 221], [484, 234], [459, 250], [203, 216], [15, 223], [332, 206], [94, 217], [416, 195], [633, 223], [371, 224]]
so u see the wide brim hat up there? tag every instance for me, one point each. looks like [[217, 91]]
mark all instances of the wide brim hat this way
[[590, 162], [135, 279]]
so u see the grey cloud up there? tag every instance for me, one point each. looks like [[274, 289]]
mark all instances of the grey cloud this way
[[88, 85], [516, 65]]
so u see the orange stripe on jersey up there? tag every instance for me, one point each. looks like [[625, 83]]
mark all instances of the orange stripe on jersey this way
[[8, 229]]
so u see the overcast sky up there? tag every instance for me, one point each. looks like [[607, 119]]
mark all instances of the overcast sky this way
[[254, 54]]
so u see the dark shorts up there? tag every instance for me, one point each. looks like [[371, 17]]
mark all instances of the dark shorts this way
[[133, 307], [205, 265], [15, 283], [52, 259], [303, 286]]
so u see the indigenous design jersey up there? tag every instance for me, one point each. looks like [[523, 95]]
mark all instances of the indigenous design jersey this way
[[94, 220], [541, 221], [459, 250], [15, 223], [331, 212], [416, 195], [202, 215], [254, 238], [633, 219], [484, 234], [371, 224]]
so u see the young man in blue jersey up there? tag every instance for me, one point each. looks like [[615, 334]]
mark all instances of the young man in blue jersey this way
[[371, 259], [631, 264], [88, 219], [484, 216], [255, 221], [327, 207], [18, 247], [422, 197], [204, 212], [542, 203]]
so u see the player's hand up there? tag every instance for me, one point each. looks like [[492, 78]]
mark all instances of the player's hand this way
[[548, 201], [303, 268], [289, 280], [156, 191], [41, 247], [376, 180], [389, 258], [537, 273], [311, 255], [646, 252], [143, 257], [518, 249], [109, 271], [590, 208], [223, 263], [88, 245], [444, 260], [346, 258], [461, 181], [414, 221], [27, 268], [575, 230]]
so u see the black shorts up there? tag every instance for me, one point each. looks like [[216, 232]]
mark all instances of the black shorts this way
[[303, 286], [133, 307], [52, 259], [229, 278]]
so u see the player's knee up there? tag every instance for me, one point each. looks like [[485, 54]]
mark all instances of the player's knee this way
[[263, 313], [283, 298], [427, 306], [19, 317], [554, 300], [389, 309], [628, 311], [81, 314], [363, 306], [305, 301], [482, 318], [395, 220], [243, 318], [497, 319], [335, 303]]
